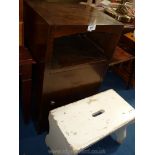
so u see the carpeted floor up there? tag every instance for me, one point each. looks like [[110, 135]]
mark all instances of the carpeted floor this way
[[33, 144]]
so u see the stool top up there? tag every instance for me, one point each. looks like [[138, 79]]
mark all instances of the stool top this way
[[88, 120]]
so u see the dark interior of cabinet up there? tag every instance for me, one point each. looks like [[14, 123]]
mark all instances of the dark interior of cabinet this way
[[75, 50]]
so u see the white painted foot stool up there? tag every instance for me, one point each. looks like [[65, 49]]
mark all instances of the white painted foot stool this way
[[78, 125]]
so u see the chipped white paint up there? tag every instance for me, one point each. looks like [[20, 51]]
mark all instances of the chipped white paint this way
[[78, 125]]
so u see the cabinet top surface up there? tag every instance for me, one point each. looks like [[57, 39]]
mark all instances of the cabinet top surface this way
[[70, 14]]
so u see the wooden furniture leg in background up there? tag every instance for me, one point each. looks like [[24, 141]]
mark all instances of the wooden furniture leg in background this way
[[26, 99], [131, 74], [25, 71]]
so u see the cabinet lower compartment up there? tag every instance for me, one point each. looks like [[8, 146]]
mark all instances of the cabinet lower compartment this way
[[79, 81]]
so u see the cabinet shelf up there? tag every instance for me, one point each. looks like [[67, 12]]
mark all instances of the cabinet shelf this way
[[75, 50]]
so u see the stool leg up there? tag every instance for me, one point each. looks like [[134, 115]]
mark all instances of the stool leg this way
[[119, 135]]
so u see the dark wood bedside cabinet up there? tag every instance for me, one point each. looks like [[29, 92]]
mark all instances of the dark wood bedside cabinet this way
[[71, 61]]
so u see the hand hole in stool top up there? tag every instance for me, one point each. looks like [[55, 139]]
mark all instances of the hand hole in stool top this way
[[98, 113]]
